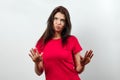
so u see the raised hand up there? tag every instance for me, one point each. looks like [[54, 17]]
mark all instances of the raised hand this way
[[87, 58], [35, 56]]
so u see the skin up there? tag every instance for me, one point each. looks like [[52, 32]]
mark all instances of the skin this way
[[58, 25], [80, 61], [37, 59]]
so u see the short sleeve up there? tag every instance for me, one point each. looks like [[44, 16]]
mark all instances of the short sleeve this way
[[39, 46], [76, 45]]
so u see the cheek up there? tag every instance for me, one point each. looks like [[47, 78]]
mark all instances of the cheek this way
[[62, 26], [53, 23]]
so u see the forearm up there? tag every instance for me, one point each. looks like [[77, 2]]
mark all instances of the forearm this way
[[39, 68], [80, 68]]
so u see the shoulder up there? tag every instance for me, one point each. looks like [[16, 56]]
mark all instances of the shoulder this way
[[72, 37]]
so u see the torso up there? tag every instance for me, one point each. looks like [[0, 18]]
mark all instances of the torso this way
[[58, 60]]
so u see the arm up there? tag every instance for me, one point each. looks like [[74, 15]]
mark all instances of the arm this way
[[78, 66], [82, 61], [37, 59], [39, 68]]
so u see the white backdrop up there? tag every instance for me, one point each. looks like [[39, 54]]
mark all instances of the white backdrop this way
[[96, 23]]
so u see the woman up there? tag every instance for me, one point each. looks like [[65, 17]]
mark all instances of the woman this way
[[57, 52]]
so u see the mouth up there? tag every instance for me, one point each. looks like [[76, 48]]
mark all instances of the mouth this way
[[57, 28]]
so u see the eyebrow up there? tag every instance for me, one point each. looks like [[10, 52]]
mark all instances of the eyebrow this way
[[63, 19], [60, 19]]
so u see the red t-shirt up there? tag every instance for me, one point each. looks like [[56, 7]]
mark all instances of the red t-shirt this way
[[58, 60]]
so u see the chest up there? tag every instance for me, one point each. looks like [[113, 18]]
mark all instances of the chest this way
[[55, 50]]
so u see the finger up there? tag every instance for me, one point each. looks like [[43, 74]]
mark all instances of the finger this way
[[86, 54], [41, 53], [91, 56], [37, 53], [81, 57], [31, 56], [33, 52], [89, 53]]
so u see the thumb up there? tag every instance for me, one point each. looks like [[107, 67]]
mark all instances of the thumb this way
[[81, 57]]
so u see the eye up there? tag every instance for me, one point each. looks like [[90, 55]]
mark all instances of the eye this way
[[63, 20], [55, 18]]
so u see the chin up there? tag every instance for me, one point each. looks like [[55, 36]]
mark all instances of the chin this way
[[58, 30]]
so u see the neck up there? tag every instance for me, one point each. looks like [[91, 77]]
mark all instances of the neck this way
[[57, 35]]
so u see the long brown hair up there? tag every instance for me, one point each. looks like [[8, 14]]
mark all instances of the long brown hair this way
[[49, 32]]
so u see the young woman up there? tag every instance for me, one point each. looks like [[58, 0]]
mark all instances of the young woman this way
[[57, 52]]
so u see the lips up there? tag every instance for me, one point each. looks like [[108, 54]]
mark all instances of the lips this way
[[58, 27]]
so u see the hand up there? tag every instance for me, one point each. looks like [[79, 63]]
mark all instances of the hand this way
[[87, 58], [35, 56]]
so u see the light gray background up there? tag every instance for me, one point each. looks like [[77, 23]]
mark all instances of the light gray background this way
[[96, 23]]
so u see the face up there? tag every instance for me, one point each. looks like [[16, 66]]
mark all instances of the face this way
[[59, 22]]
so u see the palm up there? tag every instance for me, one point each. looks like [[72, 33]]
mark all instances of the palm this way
[[87, 58], [35, 55]]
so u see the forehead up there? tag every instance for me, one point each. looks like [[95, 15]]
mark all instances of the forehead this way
[[59, 15]]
